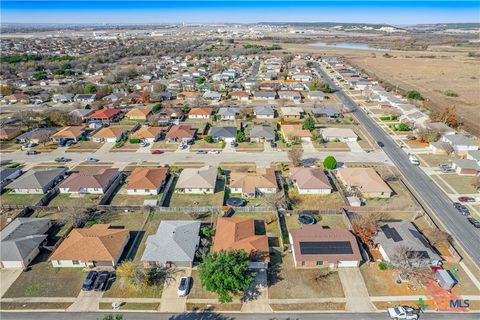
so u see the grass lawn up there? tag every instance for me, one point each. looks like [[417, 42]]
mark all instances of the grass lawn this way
[[42, 280], [164, 146], [73, 200], [462, 184], [384, 305], [203, 145], [131, 306], [441, 183], [250, 147], [331, 145], [9, 146], [315, 201], [317, 306], [200, 200], [14, 199], [84, 146], [327, 220], [127, 147], [415, 144], [465, 286], [433, 160], [6, 215], [382, 283], [116, 291], [286, 282], [287, 146], [121, 198], [257, 202], [400, 198], [213, 307], [34, 305], [47, 147]]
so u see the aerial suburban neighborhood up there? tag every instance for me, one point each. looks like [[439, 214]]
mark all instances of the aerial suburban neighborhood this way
[[226, 168]]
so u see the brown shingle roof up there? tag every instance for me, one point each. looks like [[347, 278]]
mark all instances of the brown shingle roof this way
[[147, 132], [248, 182], [365, 179], [69, 132], [239, 234], [139, 112], [310, 178], [76, 181], [146, 178], [180, 131], [200, 111], [109, 132], [97, 243]]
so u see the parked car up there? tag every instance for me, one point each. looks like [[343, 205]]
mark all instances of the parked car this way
[[214, 151], [413, 160], [90, 159], [466, 199], [184, 286], [89, 281], [233, 144], [474, 222], [28, 145], [62, 159], [380, 144], [461, 208], [201, 152], [32, 152], [407, 313], [157, 151], [101, 281]]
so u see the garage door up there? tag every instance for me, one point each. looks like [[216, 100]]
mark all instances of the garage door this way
[[12, 264], [347, 264]]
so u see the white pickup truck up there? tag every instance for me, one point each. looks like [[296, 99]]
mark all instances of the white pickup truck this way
[[407, 313]]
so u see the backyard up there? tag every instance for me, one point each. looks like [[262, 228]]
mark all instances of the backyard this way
[[315, 201], [9, 198], [199, 200], [75, 200]]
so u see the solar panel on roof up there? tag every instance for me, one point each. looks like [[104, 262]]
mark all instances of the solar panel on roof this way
[[391, 233], [326, 247]]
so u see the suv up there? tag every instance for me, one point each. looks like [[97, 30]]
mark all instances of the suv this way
[[89, 280], [183, 287], [32, 152]]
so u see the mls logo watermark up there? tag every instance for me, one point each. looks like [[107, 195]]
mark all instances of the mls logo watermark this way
[[459, 304]]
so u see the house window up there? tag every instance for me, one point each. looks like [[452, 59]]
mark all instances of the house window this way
[[303, 263], [147, 190], [319, 263], [75, 262]]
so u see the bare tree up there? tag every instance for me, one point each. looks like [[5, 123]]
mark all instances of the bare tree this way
[[43, 136], [365, 227], [295, 156], [438, 237], [26, 118], [274, 200], [74, 216], [409, 267]]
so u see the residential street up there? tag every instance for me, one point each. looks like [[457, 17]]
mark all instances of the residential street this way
[[461, 230]]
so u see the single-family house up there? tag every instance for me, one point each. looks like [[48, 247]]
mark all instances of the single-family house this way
[[212, 95], [97, 246], [63, 97], [85, 98], [460, 143], [474, 155], [251, 184], [37, 135], [264, 112], [7, 175], [16, 98], [238, 233], [265, 95], [187, 95], [81, 114], [37, 181], [228, 113], [20, 241], [227, 134], [72, 133], [466, 167], [9, 133], [200, 113], [143, 181], [262, 133], [291, 131], [89, 183], [105, 116], [399, 235], [168, 115], [109, 134], [339, 134], [327, 111], [292, 113], [310, 180], [316, 247], [240, 95], [139, 113], [290, 95], [180, 133], [316, 95], [366, 180], [197, 180], [173, 245], [148, 134]]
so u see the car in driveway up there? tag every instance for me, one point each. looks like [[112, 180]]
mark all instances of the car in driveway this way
[[466, 199], [90, 159], [62, 159], [101, 281], [89, 281], [184, 286], [474, 222], [157, 152]]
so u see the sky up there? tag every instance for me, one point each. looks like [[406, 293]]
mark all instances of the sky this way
[[389, 12]]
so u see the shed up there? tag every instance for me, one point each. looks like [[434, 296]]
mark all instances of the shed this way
[[444, 279]]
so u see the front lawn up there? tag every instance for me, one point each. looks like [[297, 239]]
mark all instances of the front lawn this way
[[331, 146], [461, 184], [250, 147], [116, 291], [84, 146], [286, 282], [17, 199], [151, 306], [34, 305], [433, 160], [126, 147], [203, 145], [399, 200], [75, 200], [9, 146], [42, 280], [164, 146]]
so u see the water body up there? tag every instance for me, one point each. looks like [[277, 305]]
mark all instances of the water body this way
[[347, 45]]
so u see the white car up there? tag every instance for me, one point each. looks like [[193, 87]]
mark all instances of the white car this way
[[214, 151], [183, 287], [407, 313], [413, 160]]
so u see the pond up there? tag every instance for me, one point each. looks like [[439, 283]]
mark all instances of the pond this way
[[347, 45]]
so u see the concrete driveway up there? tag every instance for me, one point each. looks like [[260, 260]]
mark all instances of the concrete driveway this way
[[356, 293], [354, 146], [7, 278], [171, 302], [256, 296], [86, 301], [308, 147]]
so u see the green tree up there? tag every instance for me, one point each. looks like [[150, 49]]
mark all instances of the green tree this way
[[308, 124], [208, 139], [39, 75], [89, 89], [226, 273], [240, 136], [325, 87], [314, 85], [309, 64], [330, 162], [186, 108], [413, 94], [156, 108]]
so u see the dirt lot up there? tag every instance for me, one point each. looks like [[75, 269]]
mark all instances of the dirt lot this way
[[315, 201]]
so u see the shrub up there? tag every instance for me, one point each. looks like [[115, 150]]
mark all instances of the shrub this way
[[330, 162], [382, 266], [450, 93], [135, 140], [413, 94], [208, 139]]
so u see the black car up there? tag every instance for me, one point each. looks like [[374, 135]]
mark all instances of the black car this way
[[461, 208], [380, 144], [235, 202], [89, 281], [474, 222], [101, 281]]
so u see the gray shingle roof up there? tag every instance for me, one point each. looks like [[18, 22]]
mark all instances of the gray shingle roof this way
[[21, 237], [328, 110], [266, 132], [264, 110], [31, 134], [460, 140], [228, 111], [174, 241], [224, 132], [36, 179], [6, 172]]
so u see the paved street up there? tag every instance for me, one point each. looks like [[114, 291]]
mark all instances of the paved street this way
[[461, 230], [215, 316]]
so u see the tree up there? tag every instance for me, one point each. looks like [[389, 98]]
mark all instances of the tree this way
[[314, 85], [438, 237], [89, 89], [112, 317], [6, 90], [414, 95], [156, 107], [240, 137], [159, 87], [26, 118], [274, 200], [226, 273], [447, 116], [295, 156], [365, 227], [407, 263], [74, 217], [208, 139], [43, 136], [134, 277], [330, 162], [186, 108], [308, 124]]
